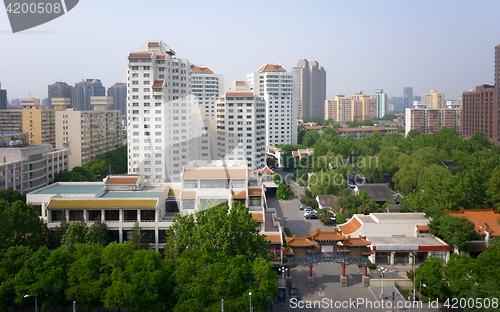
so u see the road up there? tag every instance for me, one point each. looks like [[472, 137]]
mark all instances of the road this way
[[327, 293]]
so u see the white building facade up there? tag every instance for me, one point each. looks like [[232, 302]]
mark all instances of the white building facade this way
[[279, 89], [241, 129], [165, 124], [207, 86]]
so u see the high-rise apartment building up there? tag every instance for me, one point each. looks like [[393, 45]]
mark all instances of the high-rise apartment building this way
[[118, 92], [481, 107], [434, 98], [381, 103], [278, 88], [429, 120], [83, 90], [241, 128], [11, 120], [207, 86], [311, 80], [165, 128], [407, 97], [88, 134], [59, 89], [330, 110], [38, 123], [3, 98]]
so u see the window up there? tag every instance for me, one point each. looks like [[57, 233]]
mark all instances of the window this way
[[111, 215]]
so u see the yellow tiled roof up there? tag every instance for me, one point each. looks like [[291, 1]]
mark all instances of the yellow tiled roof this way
[[173, 192], [101, 203]]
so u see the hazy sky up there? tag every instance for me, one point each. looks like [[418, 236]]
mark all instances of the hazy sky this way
[[363, 45]]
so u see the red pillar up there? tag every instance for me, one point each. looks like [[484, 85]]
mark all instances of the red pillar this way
[[343, 269], [365, 273], [310, 269], [288, 271]]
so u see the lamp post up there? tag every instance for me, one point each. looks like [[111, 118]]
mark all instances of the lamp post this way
[[36, 301], [283, 271], [74, 306], [420, 291], [382, 271], [250, 294]]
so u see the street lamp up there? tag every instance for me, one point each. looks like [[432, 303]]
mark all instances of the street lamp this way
[[250, 294], [74, 306], [283, 271], [382, 271], [420, 291], [36, 301]]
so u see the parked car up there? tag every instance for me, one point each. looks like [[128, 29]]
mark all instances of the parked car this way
[[302, 207], [309, 210], [309, 213], [312, 216], [294, 292]]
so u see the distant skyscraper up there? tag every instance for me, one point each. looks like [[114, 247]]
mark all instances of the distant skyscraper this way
[[3, 98], [118, 92], [207, 86], [381, 99], [407, 97], [312, 88], [83, 90], [434, 98], [59, 89], [278, 88]]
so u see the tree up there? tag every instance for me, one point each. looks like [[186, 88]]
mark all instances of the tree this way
[[310, 138], [11, 262], [219, 254], [493, 185], [55, 235], [11, 196], [84, 278], [459, 275], [431, 273], [455, 231], [75, 234], [283, 191], [138, 237], [20, 225]]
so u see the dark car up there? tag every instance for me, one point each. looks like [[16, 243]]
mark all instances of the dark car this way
[[294, 292], [312, 216]]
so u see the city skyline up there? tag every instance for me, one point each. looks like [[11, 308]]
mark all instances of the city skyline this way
[[415, 45]]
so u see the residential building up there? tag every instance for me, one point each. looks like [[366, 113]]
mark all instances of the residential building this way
[[434, 98], [207, 86], [118, 92], [430, 120], [299, 109], [311, 80], [381, 103], [397, 238], [11, 120], [330, 109], [59, 89], [83, 90], [241, 129], [3, 98], [38, 122], [395, 103], [164, 122], [25, 168], [407, 97], [87, 134], [278, 88], [480, 112]]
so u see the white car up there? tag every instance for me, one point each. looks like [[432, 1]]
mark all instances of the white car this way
[[309, 212], [302, 207]]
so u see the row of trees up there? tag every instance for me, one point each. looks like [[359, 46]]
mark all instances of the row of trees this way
[[213, 255], [463, 277], [97, 169]]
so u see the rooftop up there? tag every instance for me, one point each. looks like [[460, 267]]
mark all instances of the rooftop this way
[[405, 243], [200, 69], [71, 188], [378, 192], [271, 68], [484, 220], [132, 194], [362, 129]]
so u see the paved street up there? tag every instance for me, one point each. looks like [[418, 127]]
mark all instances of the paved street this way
[[327, 294]]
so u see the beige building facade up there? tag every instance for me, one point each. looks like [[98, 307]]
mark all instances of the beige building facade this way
[[434, 98]]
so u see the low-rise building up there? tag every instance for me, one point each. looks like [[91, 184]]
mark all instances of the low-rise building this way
[[25, 168], [397, 237], [361, 132]]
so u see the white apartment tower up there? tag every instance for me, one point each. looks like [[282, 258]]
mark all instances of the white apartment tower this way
[[279, 89], [241, 128], [207, 86], [165, 128]]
